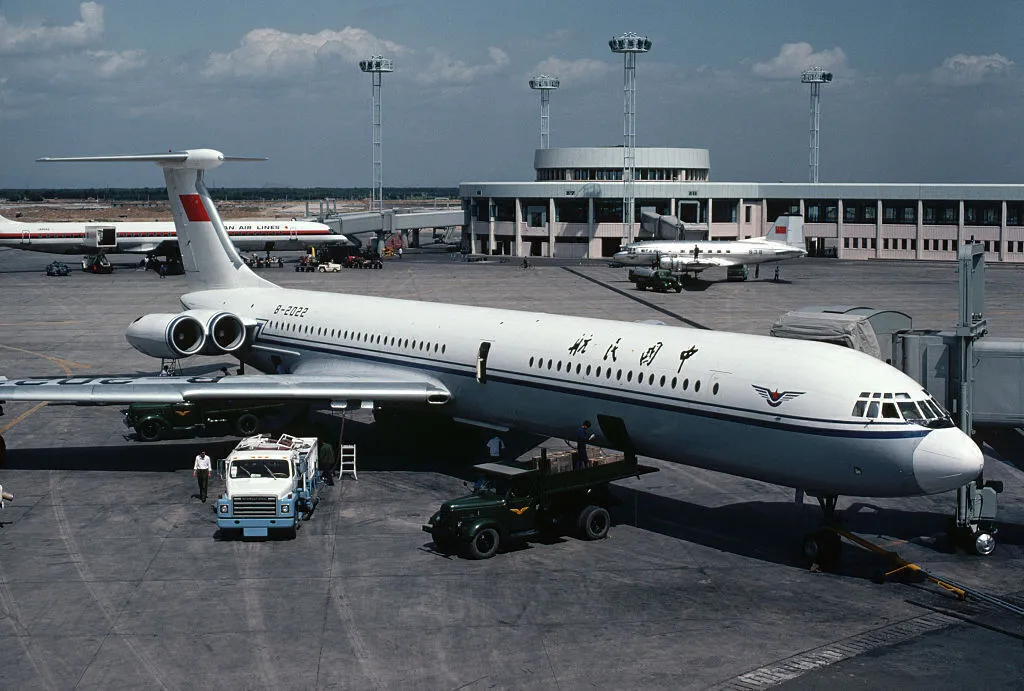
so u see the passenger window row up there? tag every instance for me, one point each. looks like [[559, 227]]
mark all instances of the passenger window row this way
[[617, 373], [360, 337]]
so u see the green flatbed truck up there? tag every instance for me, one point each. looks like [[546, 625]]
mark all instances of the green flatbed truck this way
[[658, 280], [520, 502]]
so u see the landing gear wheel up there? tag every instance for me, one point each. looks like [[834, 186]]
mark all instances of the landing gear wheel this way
[[484, 544], [150, 430], [984, 544], [247, 424], [594, 523], [823, 548]]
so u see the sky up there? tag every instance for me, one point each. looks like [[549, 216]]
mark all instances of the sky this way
[[923, 91]]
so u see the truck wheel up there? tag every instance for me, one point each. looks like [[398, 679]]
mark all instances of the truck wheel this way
[[594, 522], [150, 430], [641, 286], [247, 424], [484, 544], [679, 288]]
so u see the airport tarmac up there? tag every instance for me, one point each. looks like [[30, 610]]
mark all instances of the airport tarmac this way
[[111, 576]]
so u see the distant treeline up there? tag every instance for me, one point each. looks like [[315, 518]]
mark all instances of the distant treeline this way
[[232, 194]]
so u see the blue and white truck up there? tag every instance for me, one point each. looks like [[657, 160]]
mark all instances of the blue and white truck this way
[[271, 484]]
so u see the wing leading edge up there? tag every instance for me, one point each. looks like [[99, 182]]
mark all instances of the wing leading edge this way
[[405, 387]]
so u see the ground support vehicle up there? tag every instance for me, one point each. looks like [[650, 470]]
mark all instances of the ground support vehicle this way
[[659, 280], [737, 273], [522, 501], [155, 421], [270, 484], [57, 269], [307, 263], [97, 264], [328, 266]]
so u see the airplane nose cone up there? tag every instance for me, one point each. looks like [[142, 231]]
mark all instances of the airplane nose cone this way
[[946, 459]]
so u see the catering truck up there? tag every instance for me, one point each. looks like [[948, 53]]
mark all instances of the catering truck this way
[[271, 484]]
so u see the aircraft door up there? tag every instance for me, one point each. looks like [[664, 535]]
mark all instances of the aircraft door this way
[[26, 237], [481, 361], [614, 430], [103, 237]]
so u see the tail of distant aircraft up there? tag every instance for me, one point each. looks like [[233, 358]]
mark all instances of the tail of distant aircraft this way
[[788, 229], [210, 259]]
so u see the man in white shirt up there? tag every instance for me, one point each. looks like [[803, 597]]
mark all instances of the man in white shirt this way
[[201, 471], [495, 447]]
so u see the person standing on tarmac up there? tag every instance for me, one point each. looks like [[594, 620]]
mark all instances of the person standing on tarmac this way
[[583, 435], [201, 471]]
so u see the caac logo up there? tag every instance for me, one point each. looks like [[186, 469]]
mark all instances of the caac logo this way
[[775, 398], [520, 512]]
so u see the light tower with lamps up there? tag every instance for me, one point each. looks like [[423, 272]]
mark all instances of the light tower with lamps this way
[[815, 76], [629, 44], [545, 85], [377, 66]]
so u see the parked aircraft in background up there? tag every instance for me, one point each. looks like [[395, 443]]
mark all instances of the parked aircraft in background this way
[[785, 240], [812, 416], [158, 237]]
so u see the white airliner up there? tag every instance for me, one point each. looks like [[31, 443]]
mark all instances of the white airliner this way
[[158, 237], [784, 241], [812, 416]]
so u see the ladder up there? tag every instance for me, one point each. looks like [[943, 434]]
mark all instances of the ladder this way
[[347, 460]]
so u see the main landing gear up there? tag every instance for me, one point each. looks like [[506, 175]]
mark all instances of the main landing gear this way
[[823, 547]]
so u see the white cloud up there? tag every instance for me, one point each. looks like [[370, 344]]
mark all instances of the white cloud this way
[[968, 70], [444, 70], [272, 53], [109, 63], [794, 58], [28, 39], [573, 72]]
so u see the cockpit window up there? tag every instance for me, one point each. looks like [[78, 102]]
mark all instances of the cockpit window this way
[[910, 411], [899, 406]]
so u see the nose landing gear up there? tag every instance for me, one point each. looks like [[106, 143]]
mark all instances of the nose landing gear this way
[[823, 548]]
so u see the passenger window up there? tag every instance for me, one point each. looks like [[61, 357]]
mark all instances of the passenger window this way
[[550, 363], [686, 384], [696, 386], [889, 410], [858, 409], [578, 367], [588, 371], [873, 409], [662, 380], [618, 375], [673, 382], [531, 362], [559, 368], [629, 375], [714, 389]]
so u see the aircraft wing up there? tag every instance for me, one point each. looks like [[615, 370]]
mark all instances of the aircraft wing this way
[[340, 387], [680, 263]]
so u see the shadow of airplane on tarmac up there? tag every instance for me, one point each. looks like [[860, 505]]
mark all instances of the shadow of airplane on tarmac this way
[[773, 531]]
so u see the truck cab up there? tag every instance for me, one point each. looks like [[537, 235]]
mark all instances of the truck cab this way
[[512, 501], [659, 280], [270, 484]]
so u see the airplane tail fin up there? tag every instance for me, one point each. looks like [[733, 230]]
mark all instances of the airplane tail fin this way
[[210, 259], [788, 229]]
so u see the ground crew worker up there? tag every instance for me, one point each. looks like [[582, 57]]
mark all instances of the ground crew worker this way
[[201, 471], [495, 447], [583, 435]]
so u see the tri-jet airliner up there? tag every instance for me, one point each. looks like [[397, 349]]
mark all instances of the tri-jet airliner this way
[[812, 416], [158, 237], [784, 241]]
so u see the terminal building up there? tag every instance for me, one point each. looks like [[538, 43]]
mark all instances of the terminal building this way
[[573, 208]]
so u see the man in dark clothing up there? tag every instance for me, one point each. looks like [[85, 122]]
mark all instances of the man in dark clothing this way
[[583, 435]]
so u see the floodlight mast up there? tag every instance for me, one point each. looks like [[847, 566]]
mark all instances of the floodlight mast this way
[[377, 66], [629, 44], [815, 76], [545, 85]]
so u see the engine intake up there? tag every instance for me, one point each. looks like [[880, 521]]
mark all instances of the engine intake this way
[[225, 332], [167, 335]]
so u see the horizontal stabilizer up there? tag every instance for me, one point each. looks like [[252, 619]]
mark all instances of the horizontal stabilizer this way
[[198, 159]]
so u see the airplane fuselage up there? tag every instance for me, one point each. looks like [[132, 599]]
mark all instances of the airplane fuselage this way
[[151, 237], [686, 395], [720, 253]]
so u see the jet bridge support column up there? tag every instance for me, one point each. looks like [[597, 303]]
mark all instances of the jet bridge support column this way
[[976, 502]]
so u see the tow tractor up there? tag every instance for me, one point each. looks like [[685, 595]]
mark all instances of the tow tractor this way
[[270, 484]]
